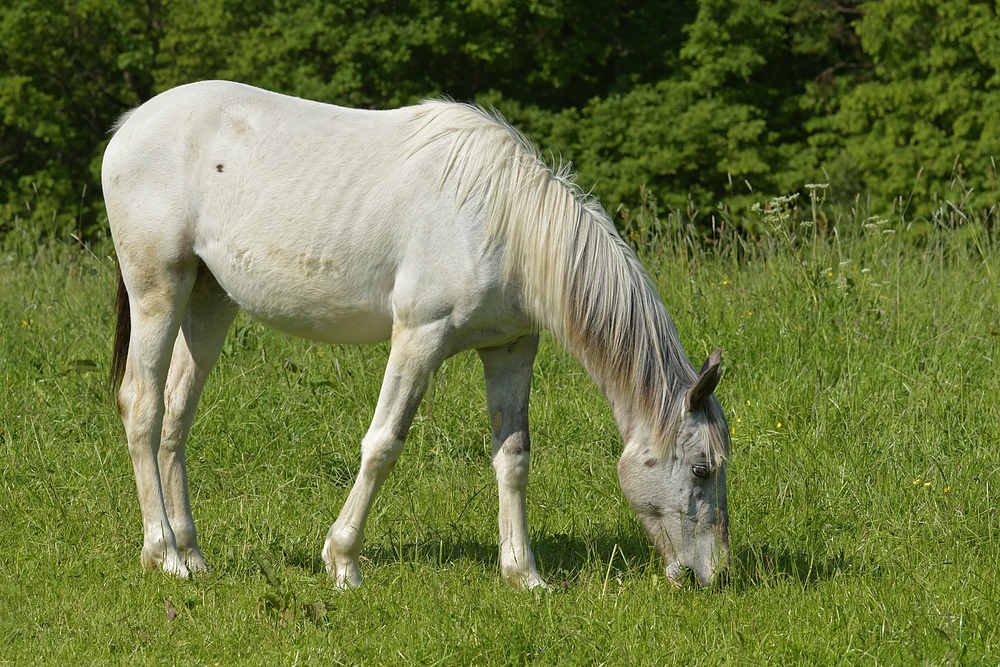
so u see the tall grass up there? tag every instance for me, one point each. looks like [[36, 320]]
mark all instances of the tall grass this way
[[859, 383]]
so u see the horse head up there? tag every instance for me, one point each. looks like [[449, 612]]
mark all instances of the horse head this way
[[675, 480]]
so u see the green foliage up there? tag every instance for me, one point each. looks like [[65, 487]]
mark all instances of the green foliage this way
[[618, 142], [66, 71], [728, 120], [923, 116], [686, 102]]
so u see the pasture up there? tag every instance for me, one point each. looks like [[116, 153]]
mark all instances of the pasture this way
[[859, 379]]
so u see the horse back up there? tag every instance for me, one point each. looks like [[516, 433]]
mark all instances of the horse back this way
[[322, 221]]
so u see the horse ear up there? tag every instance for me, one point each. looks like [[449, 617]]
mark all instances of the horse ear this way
[[707, 382]]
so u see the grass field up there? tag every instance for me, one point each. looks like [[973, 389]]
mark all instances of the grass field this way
[[859, 381]]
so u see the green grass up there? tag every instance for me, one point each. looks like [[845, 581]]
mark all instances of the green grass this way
[[860, 383]]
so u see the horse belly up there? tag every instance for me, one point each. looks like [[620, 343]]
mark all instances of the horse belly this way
[[308, 296]]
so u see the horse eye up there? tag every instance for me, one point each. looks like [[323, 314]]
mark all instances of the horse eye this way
[[700, 471]]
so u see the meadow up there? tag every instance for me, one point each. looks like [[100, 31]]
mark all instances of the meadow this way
[[859, 384]]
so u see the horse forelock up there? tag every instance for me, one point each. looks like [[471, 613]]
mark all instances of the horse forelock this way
[[717, 447], [715, 441]]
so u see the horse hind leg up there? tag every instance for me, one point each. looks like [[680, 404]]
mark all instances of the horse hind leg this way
[[415, 356], [508, 384], [157, 296], [199, 342]]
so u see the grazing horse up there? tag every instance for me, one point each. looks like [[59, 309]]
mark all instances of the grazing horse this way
[[436, 227]]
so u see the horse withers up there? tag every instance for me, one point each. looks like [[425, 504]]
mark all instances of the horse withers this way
[[436, 227]]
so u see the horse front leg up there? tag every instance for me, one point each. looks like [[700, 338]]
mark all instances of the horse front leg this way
[[508, 385], [415, 356]]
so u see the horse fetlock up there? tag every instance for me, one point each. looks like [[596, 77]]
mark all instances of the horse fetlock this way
[[340, 553], [168, 561], [150, 559], [523, 579], [185, 536]]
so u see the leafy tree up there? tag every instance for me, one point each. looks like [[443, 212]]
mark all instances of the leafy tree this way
[[383, 53], [66, 71], [688, 102], [734, 112], [919, 123]]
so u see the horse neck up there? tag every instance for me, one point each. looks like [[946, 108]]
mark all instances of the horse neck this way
[[578, 278], [620, 329]]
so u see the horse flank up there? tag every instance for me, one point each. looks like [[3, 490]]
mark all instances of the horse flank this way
[[579, 278]]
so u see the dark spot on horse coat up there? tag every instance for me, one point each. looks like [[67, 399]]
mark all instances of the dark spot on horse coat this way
[[649, 463], [218, 168]]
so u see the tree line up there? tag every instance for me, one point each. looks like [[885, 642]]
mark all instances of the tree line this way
[[690, 102]]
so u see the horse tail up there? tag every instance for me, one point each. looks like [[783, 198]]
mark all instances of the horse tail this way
[[123, 332]]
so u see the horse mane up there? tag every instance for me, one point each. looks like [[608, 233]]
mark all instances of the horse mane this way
[[579, 278]]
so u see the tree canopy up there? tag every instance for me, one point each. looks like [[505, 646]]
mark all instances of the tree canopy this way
[[687, 101]]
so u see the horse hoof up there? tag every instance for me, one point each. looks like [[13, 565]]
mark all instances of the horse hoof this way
[[175, 567], [170, 564], [526, 581], [345, 577], [196, 562]]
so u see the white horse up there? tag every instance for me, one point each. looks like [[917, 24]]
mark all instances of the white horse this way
[[434, 226]]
